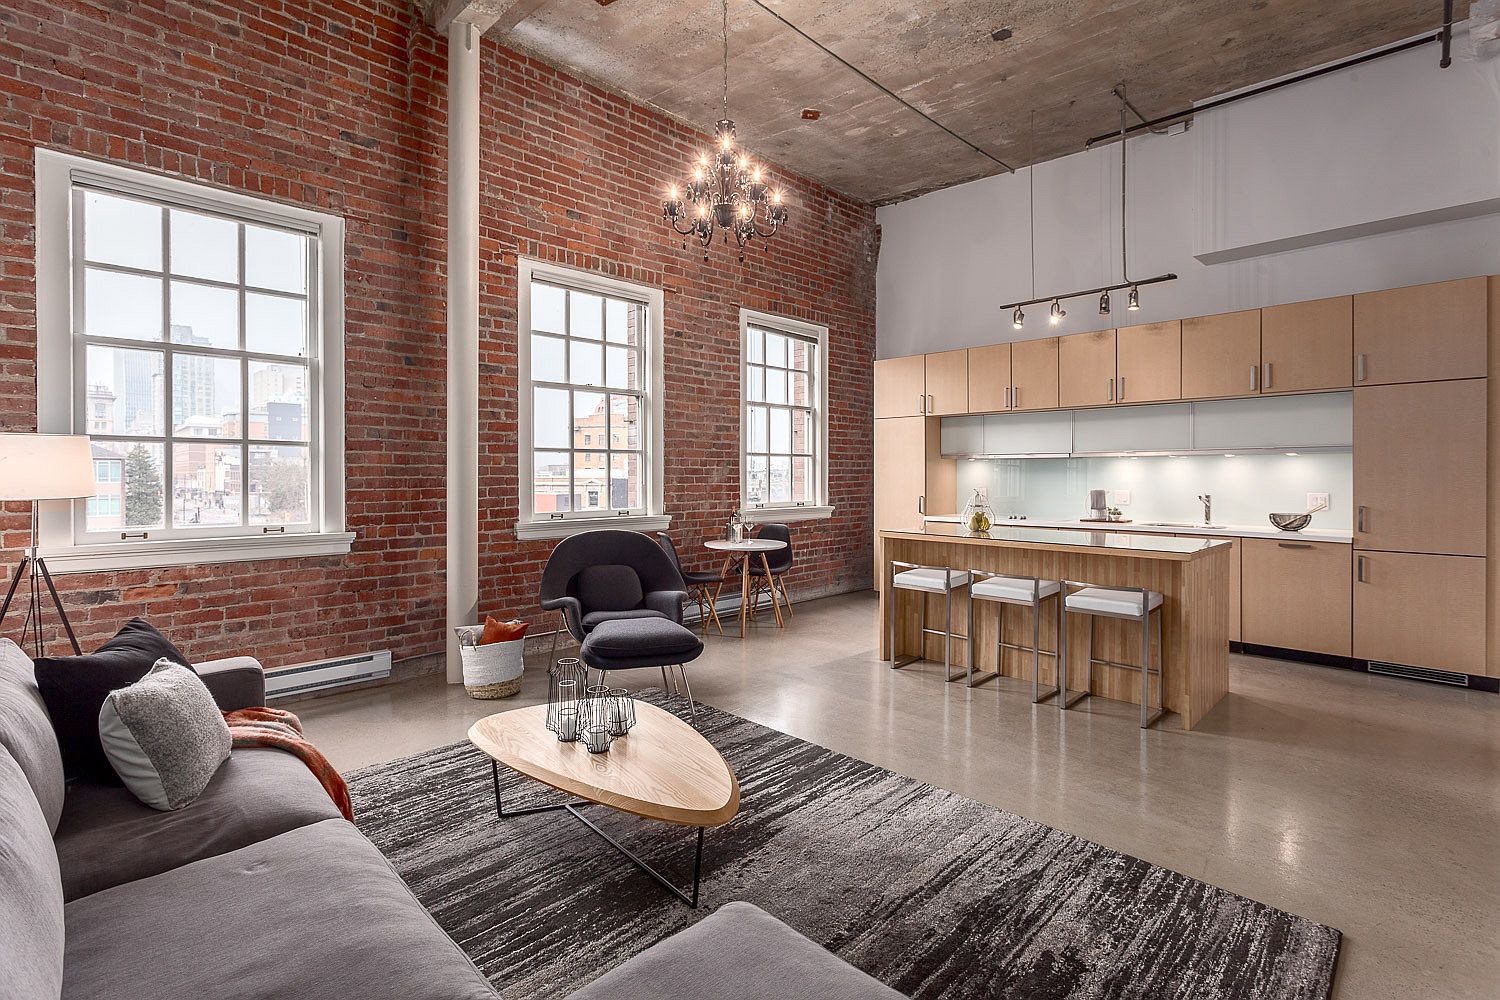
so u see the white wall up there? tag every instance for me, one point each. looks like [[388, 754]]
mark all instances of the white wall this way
[[1394, 143]]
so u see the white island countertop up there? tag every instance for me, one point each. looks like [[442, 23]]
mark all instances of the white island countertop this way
[[1311, 534]]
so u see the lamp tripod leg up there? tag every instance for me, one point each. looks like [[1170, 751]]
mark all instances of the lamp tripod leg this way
[[63, 615]]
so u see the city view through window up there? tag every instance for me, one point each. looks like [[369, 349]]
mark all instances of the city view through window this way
[[195, 386]]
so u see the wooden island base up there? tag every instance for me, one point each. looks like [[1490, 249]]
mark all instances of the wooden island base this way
[[1192, 576]]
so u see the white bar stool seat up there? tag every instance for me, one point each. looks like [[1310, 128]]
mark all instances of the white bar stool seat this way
[[928, 580], [1021, 591], [1136, 604]]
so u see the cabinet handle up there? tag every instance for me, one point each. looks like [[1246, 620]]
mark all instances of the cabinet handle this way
[[1268, 375], [1359, 368], [931, 406], [1293, 545], [1359, 518], [1111, 396], [1359, 570], [1007, 397], [921, 402], [1016, 395], [1255, 378], [921, 505]]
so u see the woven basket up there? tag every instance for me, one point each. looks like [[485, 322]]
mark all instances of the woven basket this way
[[491, 671]]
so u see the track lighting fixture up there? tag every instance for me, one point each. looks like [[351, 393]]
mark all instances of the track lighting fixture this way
[[1133, 303], [1104, 303], [1018, 319], [1056, 313]]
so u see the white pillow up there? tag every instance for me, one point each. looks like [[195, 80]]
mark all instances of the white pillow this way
[[164, 735]]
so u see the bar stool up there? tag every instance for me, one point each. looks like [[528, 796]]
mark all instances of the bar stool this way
[[929, 580], [1022, 591], [1132, 604]]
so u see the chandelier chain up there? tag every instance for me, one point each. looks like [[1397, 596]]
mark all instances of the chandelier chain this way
[[725, 8]]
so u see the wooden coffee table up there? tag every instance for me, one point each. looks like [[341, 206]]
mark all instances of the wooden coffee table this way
[[664, 770]]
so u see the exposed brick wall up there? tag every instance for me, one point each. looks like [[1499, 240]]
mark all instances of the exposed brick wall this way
[[339, 105]]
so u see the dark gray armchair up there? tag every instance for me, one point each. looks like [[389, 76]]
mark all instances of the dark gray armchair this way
[[607, 575]]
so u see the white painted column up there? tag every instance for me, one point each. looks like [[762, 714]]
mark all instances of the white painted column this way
[[463, 335]]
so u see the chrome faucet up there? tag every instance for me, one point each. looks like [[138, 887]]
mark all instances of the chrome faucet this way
[[1207, 500]]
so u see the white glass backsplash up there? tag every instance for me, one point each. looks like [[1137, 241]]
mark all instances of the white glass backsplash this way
[[1245, 488]]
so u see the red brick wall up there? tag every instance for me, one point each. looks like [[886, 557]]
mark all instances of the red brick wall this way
[[339, 105]]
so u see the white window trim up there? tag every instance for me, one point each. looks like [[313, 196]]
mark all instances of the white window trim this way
[[820, 509], [528, 528], [55, 175]]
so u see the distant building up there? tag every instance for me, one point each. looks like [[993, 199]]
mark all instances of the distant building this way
[[278, 384], [99, 409], [193, 391]]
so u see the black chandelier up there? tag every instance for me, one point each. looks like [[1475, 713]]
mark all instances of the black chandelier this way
[[729, 195]]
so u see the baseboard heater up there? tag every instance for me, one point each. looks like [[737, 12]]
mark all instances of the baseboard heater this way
[[1418, 673], [321, 675]]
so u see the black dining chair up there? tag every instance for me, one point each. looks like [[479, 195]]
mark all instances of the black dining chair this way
[[780, 563], [698, 583]]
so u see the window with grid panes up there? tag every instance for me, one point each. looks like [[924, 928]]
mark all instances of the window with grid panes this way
[[783, 461]]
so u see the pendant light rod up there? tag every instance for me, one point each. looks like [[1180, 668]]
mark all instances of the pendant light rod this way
[[1220, 102], [1093, 291], [1124, 258], [888, 92]]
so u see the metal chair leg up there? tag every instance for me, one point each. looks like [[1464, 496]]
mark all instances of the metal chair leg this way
[[688, 687], [969, 651]]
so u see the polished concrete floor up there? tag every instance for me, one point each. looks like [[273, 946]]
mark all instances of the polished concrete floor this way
[[1367, 803]]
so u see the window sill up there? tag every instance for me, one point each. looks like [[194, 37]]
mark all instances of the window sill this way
[[529, 531], [194, 551], [785, 515]]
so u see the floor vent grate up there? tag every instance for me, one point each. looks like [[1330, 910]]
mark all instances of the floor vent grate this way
[[1419, 673]]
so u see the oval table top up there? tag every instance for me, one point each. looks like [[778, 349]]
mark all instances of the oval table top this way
[[748, 545], [663, 770]]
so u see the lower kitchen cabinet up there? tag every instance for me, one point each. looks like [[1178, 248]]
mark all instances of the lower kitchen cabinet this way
[[1420, 610], [1236, 563], [1295, 595]]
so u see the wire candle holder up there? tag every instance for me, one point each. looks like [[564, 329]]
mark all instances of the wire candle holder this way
[[567, 682], [621, 712]]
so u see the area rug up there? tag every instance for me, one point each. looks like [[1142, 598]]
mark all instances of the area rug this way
[[935, 894]]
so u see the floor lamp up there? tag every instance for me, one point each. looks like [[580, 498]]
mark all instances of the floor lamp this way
[[37, 467]]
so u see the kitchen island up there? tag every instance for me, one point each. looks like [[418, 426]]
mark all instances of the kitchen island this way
[[1191, 574]]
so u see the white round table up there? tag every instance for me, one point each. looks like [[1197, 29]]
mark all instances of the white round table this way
[[745, 551]]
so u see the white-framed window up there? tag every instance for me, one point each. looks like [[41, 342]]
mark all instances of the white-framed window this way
[[590, 408], [784, 418], [196, 336]]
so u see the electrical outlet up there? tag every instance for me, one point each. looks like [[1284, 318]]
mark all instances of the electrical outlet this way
[[1122, 498], [1317, 501]]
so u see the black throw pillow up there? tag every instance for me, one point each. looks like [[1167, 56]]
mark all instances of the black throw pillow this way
[[74, 688]]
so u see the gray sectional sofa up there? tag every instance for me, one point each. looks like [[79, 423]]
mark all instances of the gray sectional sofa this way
[[261, 890]]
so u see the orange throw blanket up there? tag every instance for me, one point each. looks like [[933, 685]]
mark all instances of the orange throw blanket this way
[[278, 729]]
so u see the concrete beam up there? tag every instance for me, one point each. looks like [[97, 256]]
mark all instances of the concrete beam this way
[[485, 15]]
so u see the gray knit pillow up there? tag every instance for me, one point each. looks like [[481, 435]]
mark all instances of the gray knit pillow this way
[[164, 735]]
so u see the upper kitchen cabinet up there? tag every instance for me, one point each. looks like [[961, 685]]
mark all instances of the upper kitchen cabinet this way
[[947, 378], [1422, 333], [901, 387], [1086, 369], [1149, 362], [989, 378], [1221, 355], [1420, 467], [1033, 374], [1307, 346]]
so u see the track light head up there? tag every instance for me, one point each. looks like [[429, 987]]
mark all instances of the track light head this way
[[1018, 318], [1056, 313], [1134, 302], [1104, 303]]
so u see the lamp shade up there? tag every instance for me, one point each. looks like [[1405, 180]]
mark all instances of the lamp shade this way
[[46, 467]]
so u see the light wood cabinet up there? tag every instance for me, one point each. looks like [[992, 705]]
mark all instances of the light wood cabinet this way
[[1033, 374], [1421, 333], [1149, 362], [1307, 346], [1295, 595], [1086, 369], [1420, 610], [901, 387], [1221, 355], [989, 378], [1236, 571], [911, 476], [947, 378], [1420, 467]]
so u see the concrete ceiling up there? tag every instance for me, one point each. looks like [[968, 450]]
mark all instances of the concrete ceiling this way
[[1062, 61]]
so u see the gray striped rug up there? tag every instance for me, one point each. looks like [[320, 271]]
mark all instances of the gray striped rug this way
[[933, 893]]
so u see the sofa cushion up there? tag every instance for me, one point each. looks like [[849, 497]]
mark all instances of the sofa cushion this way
[[164, 736], [107, 836], [740, 951], [31, 899], [315, 913], [74, 688], [611, 587], [26, 731]]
